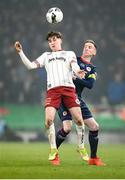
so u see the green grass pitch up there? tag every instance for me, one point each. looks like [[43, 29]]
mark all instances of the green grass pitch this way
[[29, 161]]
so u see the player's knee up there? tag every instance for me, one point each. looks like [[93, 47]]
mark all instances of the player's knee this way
[[67, 129], [79, 122], [95, 127], [48, 122]]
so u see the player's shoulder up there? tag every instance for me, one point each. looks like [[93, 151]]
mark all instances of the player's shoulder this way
[[47, 53], [86, 65], [92, 67], [41, 56], [70, 52]]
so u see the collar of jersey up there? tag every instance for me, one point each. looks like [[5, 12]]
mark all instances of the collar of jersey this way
[[83, 60], [58, 50]]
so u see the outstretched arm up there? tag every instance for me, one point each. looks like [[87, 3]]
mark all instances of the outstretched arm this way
[[25, 60], [78, 72], [75, 67], [87, 81]]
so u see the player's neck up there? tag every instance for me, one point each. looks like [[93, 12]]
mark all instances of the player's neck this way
[[86, 58]]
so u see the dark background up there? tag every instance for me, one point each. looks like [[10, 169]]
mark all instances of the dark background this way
[[100, 20]]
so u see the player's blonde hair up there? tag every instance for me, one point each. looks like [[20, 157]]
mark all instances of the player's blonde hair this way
[[91, 41]]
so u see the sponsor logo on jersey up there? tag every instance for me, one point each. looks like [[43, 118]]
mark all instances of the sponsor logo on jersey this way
[[57, 58]]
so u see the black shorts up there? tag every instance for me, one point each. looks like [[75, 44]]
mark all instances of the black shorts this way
[[64, 113]]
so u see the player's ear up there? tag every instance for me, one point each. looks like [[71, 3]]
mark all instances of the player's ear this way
[[61, 41], [94, 52]]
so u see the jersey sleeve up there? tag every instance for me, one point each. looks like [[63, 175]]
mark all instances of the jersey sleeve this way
[[26, 61], [89, 80], [40, 61], [88, 83], [73, 61]]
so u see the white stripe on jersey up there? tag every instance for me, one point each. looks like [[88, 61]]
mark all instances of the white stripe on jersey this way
[[58, 67]]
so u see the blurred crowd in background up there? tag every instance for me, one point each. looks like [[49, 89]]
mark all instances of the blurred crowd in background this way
[[100, 20]]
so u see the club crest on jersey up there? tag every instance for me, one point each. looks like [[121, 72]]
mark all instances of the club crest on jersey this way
[[77, 101], [88, 69], [64, 113]]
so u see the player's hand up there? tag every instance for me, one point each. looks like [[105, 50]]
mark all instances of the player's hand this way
[[18, 46], [81, 74]]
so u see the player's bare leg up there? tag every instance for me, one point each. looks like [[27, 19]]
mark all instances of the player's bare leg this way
[[53, 155], [76, 113], [81, 146]]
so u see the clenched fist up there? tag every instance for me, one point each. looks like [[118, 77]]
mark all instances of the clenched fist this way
[[81, 74], [18, 46]]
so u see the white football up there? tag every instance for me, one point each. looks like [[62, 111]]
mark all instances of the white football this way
[[54, 15]]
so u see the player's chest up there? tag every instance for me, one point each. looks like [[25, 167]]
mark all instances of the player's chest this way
[[85, 67], [56, 58]]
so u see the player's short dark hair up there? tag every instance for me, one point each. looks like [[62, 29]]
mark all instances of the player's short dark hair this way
[[54, 33], [91, 41]]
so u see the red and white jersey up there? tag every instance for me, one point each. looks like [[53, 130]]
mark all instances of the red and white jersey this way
[[59, 66]]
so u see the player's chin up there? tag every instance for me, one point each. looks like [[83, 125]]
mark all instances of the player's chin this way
[[55, 49], [87, 55]]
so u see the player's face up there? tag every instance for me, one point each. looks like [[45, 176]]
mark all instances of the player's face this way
[[89, 50], [55, 43]]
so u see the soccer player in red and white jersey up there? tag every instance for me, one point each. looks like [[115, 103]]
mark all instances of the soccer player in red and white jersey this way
[[59, 65]]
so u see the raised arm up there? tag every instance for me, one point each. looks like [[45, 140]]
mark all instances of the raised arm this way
[[25, 60]]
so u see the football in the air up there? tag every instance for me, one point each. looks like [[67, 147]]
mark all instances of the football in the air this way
[[54, 15]]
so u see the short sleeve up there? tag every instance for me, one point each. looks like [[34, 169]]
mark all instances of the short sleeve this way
[[40, 61]]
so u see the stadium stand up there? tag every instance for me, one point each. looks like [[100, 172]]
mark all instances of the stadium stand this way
[[23, 91]]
